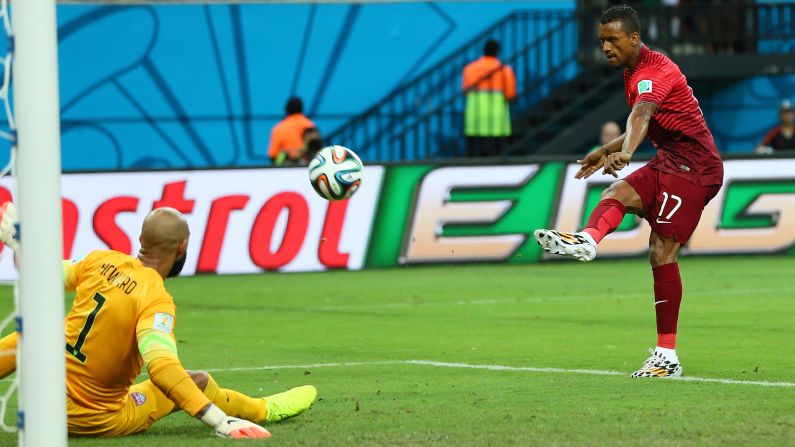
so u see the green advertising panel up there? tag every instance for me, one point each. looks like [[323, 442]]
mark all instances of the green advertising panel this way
[[741, 195], [392, 212], [533, 204], [487, 213]]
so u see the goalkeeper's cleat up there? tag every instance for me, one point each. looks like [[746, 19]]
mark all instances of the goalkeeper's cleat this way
[[658, 365], [290, 403], [579, 246]]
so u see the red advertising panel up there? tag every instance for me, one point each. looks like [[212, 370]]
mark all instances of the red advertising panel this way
[[241, 221]]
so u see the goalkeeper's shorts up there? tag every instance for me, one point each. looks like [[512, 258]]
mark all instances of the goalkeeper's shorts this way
[[144, 405]]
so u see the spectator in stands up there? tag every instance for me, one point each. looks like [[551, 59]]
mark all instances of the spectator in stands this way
[[488, 85], [781, 137], [287, 146], [610, 131], [312, 142]]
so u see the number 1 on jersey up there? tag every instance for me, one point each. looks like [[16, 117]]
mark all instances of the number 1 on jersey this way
[[75, 350]]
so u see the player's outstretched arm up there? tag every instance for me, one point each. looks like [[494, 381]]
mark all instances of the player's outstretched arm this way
[[637, 127], [158, 349], [171, 378]]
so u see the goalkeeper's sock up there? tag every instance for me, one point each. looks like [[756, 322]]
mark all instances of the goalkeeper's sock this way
[[8, 354], [605, 218], [235, 404]]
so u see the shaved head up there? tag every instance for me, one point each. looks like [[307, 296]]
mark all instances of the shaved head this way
[[164, 241], [164, 229]]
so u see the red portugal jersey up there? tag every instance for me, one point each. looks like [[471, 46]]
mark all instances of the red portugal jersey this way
[[685, 146]]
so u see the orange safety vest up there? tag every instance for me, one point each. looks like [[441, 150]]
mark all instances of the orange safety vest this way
[[489, 85], [288, 136]]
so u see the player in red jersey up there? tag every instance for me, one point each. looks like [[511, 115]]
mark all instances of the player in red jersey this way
[[670, 191]]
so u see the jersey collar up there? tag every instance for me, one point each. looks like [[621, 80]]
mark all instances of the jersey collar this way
[[643, 55]]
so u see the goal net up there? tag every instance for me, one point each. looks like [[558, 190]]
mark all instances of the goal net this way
[[8, 147]]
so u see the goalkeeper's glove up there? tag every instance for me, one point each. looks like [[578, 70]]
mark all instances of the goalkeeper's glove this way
[[229, 427], [8, 228]]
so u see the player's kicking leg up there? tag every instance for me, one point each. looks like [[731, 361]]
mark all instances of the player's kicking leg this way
[[604, 219]]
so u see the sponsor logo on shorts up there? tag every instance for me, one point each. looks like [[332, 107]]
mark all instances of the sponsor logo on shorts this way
[[138, 398]]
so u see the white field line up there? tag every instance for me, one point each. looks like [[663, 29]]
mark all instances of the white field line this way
[[590, 372], [405, 304], [532, 369]]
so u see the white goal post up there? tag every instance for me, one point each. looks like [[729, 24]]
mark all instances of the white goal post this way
[[42, 370]]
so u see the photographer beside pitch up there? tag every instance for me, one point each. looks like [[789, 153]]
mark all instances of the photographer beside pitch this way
[[123, 318], [670, 191]]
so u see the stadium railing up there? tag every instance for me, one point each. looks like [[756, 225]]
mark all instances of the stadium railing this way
[[423, 119]]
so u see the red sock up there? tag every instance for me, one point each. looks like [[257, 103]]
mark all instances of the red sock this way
[[667, 298], [605, 218]]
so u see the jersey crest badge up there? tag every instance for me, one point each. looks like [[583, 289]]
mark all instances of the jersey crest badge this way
[[138, 398], [644, 86], [163, 322]]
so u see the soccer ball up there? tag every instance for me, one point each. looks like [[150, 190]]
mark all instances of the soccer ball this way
[[335, 172]]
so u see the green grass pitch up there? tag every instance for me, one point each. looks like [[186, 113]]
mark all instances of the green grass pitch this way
[[468, 323]]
